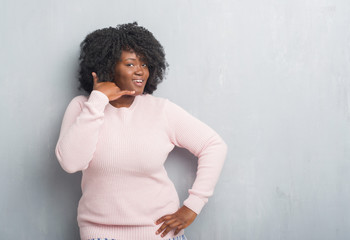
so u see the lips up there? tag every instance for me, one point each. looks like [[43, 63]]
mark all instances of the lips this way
[[138, 82]]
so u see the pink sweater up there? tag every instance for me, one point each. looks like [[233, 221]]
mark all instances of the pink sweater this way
[[121, 152]]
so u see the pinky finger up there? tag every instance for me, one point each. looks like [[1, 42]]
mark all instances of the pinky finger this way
[[126, 93], [178, 229]]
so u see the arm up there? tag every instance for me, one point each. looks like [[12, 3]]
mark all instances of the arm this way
[[188, 132], [81, 123], [79, 131]]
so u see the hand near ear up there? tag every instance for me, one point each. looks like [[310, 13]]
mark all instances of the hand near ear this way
[[110, 89]]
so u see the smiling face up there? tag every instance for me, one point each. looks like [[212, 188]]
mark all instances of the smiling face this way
[[131, 72]]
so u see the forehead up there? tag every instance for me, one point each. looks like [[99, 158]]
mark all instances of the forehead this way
[[130, 55]]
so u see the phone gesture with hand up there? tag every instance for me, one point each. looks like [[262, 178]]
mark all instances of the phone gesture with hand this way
[[110, 89]]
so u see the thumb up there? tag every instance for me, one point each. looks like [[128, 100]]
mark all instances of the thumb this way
[[95, 78]]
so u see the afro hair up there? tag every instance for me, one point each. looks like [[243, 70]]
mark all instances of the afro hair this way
[[101, 50]]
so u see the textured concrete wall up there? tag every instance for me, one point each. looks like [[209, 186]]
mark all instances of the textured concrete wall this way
[[271, 77]]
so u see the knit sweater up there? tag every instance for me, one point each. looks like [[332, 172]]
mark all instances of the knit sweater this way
[[121, 153]]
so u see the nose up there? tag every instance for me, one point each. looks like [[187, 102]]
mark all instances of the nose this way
[[139, 70]]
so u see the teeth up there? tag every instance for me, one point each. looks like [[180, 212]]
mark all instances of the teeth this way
[[139, 81]]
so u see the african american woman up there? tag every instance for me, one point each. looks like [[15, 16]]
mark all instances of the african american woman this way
[[120, 135]]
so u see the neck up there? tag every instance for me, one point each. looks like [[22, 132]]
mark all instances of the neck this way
[[124, 101]]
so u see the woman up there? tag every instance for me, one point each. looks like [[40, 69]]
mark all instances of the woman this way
[[120, 137]]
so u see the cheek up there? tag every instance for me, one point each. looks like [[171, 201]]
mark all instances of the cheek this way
[[124, 77]]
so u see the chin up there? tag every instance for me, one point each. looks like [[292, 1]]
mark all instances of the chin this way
[[139, 92]]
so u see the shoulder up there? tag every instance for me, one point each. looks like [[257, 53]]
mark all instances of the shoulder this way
[[80, 98], [153, 101], [79, 101], [159, 101], [159, 105], [166, 107]]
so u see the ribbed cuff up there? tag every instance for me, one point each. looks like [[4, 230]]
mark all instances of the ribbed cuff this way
[[99, 100], [194, 203]]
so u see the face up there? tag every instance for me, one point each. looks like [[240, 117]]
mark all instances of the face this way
[[131, 72]]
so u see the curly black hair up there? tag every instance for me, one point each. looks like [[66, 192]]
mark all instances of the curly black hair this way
[[101, 50]]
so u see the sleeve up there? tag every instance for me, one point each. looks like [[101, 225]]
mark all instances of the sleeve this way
[[79, 131], [186, 131]]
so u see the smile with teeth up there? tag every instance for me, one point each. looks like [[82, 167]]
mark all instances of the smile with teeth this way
[[138, 82]]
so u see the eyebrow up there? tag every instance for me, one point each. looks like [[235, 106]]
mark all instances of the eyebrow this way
[[130, 59]]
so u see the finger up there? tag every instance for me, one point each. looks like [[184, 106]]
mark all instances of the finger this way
[[125, 92], [178, 229], [170, 227], [165, 224], [95, 78], [162, 219], [167, 230], [161, 229]]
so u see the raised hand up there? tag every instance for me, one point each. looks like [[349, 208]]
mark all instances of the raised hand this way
[[179, 220], [110, 89]]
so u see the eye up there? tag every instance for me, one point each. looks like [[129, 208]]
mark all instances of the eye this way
[[144, 65], [129, 64]]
